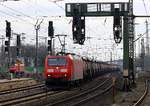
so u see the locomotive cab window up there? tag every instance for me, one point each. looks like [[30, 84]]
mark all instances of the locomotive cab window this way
[[57, 62]]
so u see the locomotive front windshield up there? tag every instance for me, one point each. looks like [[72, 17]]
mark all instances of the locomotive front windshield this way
[[57, 62]]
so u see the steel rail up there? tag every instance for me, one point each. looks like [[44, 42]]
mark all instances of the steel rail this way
[[40, 90], [20, 89], [29, 98], [143, 96], [12, 81], [78, 95], [91, 97]]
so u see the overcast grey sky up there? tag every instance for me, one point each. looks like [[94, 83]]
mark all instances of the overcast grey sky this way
[[23, 15]]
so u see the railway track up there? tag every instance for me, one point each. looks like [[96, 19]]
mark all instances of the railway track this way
[[42, 96], [26, 98], [139, 101], [27, 79], [6, 85], [20, 93], [21, 89], [83, 97]]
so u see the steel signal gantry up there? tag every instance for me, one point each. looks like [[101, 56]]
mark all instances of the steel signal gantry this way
[[117, 10]]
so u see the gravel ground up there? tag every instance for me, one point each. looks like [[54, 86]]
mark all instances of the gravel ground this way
[[129, 98], [16, 83], [146, 101]]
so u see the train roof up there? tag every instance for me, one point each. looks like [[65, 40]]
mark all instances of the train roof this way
[[64, 54], [84, 58]]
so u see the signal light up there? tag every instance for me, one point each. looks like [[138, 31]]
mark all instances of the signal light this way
[[117, 34], [50, 29]]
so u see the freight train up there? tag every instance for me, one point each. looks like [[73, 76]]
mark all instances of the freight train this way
[[70, 69]]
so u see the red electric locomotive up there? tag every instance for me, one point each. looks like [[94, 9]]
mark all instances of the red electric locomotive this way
[[63, 70]]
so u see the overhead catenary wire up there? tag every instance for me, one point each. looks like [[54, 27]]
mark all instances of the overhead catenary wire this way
[[145, 8], [33, 6], [16, 11], [48, 11], [20, 13], [141, 35], [59, 6], [16, 17]]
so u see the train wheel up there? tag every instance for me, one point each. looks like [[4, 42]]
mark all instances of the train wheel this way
[[69, 85], [46, 83]]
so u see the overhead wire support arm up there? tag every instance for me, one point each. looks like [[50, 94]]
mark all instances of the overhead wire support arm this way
[[41, 21], [141, 35], [59, 40], [141, 16]]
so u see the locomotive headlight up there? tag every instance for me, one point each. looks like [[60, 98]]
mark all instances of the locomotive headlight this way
[[50, 70], [63, 70]]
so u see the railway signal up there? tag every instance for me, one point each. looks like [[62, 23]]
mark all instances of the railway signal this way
[[50, 29], [78, 27], [18, 40], [7, 42], [8, 29], [18, 45], [8, 35], [117, 26], [51, 35]]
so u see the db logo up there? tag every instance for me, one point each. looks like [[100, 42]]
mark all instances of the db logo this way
[[56, 71]]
